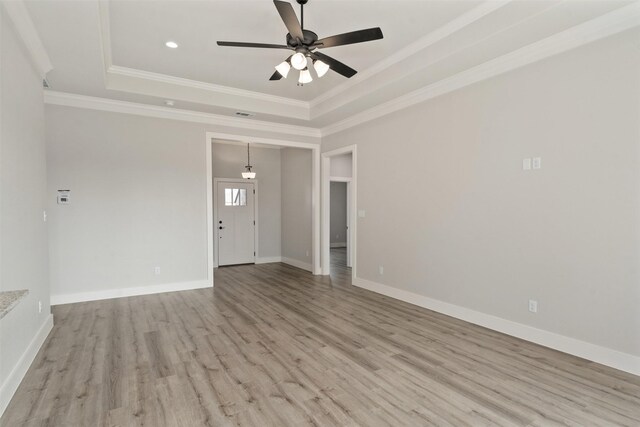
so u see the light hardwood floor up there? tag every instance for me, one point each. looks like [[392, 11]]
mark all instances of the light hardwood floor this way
[[273, 345]]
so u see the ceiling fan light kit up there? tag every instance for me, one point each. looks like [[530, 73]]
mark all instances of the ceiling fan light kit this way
[[306, 46], [299, 61], [320, 67], [305, 77], [283, 68]]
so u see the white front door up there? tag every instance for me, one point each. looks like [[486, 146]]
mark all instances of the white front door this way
[[236, 223]]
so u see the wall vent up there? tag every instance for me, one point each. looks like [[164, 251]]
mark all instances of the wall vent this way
[[244, 114]]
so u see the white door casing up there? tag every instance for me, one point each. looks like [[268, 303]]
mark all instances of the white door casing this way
[[235, 206]]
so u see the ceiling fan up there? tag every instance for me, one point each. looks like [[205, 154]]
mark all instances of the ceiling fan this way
[[305, 44]]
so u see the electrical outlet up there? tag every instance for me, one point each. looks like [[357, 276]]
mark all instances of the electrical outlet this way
[[381, 270], [533, 306], [157, 271], [39, 306], [44, 216]]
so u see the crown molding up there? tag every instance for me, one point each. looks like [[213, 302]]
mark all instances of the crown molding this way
[[105, 36], [210, 87], [19, 15], [606, 25], [110, 105], [430, 39], [243, 144]]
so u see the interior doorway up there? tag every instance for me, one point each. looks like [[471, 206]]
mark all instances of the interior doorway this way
[[339, 186], [235, 221], [339, 219]]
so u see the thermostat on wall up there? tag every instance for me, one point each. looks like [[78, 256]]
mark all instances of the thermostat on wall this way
[[63, 197]]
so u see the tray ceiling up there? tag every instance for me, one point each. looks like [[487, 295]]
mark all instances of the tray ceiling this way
[[115, 49]]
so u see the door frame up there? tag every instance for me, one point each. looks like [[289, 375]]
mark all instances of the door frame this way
[[216, 236], [347, 180], [315, 191], [326, 209]]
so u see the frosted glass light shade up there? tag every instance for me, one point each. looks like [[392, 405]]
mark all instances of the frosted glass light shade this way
[[321, 67], [283, 69], [248, 175], [298, 61], [305, 76]]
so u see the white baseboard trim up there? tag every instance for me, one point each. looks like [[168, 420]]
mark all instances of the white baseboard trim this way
[[9, 387], [128, 292], [268, 259], [603, 355], [297, 263], [338, 245]]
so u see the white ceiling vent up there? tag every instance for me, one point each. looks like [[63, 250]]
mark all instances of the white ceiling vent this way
[[244, 114]]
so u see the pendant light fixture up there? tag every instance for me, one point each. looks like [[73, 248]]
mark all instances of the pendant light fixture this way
[[248, 174]]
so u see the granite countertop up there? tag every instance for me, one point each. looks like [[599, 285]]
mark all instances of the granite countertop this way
[[10, 299]]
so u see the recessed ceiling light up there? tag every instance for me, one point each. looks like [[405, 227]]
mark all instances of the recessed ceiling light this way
[[169, 103], [171, 44]]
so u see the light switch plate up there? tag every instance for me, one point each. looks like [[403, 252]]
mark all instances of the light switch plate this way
[[64, 197], [361, 213], [526, 164], [537, 162]]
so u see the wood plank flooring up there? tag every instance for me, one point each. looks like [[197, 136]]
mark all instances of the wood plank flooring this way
[[273, 345]]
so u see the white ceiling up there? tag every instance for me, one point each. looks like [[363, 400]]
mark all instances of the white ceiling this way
[[117, 51]]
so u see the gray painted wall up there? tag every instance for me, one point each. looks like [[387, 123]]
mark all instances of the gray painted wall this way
[[338, 214], [296, 204], [138, 199], [229, 161], [23, 233], [451, 214], [341, 165]]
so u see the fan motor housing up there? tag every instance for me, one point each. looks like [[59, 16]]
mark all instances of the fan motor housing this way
[[309, 39]]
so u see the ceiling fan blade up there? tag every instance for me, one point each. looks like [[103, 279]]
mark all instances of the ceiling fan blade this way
[[334, 64], [351, 38], [257, 45], [290, 19], [276, 76]]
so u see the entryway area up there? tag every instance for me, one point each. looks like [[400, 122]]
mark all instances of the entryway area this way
[[272, 217]]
